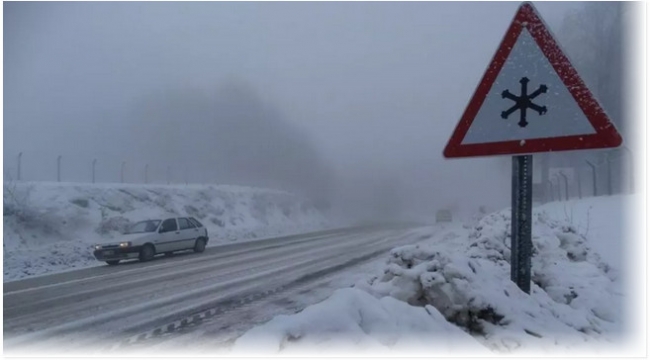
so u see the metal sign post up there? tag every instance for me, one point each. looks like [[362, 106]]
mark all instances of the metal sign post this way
[[521, 224]]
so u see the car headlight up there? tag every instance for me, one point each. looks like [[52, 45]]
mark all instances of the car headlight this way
[[97, 247], [125, 244]]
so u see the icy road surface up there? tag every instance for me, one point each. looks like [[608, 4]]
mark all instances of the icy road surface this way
[[110, 308]]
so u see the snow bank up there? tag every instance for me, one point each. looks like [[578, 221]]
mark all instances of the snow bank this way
[[462, 277], [353, 320], [574, 298], [600, 219], [52, 226]]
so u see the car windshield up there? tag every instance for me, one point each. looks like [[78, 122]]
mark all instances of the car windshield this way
[[143, 227]]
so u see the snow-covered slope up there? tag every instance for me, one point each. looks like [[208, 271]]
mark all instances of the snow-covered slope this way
[[603, 220], [459, 280], [52, 226]]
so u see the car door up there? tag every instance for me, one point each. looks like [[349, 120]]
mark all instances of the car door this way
[[200, 229], [189, 233], [169, 236]]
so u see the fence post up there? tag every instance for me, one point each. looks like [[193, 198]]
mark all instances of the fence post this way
[[566, 186], [122, 172], [550, 189], [58, 169], [94, 163], [593, 173], [20, 155], [577, 172], [610, 189], [631, 167]]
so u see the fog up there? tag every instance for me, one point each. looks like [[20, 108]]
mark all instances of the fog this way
[[350, 104]]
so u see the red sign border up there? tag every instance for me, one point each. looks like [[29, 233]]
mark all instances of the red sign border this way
[[606, 135]]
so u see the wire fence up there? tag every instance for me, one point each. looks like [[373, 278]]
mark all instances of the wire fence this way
[[97, 171], [613, 174]]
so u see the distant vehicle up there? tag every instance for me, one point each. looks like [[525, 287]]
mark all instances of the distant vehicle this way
[[144, 239], [443, 216]]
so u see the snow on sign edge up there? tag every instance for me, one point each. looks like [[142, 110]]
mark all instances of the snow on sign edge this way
[[606, 134]]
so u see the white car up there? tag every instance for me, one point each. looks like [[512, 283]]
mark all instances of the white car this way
[[145, 239]]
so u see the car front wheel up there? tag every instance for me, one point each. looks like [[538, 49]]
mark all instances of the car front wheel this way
[[147, 253], [113, 262], [199, 247]]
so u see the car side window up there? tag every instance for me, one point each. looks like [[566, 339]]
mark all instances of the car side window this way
[[169, 225], [183, 223], [196, 222]]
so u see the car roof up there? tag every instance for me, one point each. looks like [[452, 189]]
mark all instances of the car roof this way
[[174, 216]]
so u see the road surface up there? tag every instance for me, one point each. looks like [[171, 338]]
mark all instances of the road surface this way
[[222, 291]]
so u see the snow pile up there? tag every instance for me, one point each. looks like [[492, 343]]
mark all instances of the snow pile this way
[[573, 299], [462, 277], [52, 226], [353, 320]]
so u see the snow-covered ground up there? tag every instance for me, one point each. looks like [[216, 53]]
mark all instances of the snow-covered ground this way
[[51, 227], [452, 294]]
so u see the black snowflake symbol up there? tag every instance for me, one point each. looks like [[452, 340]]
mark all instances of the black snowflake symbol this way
[[524, 102]]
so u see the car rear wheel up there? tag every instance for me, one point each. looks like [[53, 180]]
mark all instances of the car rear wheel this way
[[113, 262], [147, 253], [199, 246]]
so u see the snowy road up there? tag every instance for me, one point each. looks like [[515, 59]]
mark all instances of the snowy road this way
[[105, 307]]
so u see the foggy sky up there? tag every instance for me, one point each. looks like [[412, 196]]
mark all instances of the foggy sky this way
[[375, 88]]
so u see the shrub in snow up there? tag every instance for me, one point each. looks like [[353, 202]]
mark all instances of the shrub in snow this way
[[20, 211], [16, 201], [163, 201], [421, 275], [572, 298], [192, 211], [80, 202], [114, 224], [140, 195], [217, 222]]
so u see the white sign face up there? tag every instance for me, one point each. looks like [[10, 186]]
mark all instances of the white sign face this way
[[527, 84]]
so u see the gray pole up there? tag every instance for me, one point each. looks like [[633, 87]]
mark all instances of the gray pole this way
[[566, 186], [521, 227], [146, 170], [168, 174], [122, 172], [559, 189], [544, 160], [20, 155], [631, 165], [577, 171], [94, 163], [550, 189], [58, 168], [593, 174], [610, 190]]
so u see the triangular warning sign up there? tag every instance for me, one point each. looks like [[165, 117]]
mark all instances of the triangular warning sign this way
[[530, 99]]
